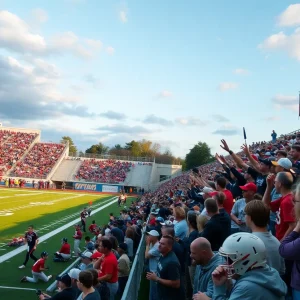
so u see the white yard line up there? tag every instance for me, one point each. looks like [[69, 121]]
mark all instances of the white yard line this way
[[16, 288], [52, 233]]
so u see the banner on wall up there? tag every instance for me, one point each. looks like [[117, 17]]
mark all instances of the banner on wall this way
[[85, 187], [110, 189]]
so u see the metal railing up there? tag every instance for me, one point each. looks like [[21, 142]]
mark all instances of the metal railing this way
[[132, 288]]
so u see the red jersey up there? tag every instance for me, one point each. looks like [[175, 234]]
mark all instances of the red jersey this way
[[284, 209], [65, 249], [109, 266], [77, 235], [93, 228], [228, 203], [152, 222], [38, 264]]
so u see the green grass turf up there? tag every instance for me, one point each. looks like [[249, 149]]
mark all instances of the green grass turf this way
[[40, 215], [10, 275]]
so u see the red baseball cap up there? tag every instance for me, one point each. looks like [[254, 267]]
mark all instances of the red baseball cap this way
[[213, 194], [249, 187], [96, 255]]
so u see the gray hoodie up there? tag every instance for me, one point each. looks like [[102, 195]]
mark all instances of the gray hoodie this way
[[203, 280], [258, 284]]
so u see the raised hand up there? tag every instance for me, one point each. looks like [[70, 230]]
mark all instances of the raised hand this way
[[219, 276], [246, 150], [224, 146], [271, 179]]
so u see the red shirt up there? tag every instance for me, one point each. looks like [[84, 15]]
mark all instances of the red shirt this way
[[284, 209], [109, 266], [65, 249], [152, 222], [38, 264], [228, 203], [92, 228], [78, 235]]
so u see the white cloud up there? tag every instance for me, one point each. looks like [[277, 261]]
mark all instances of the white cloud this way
[[16, 35], [153, 119], [272, 118], [286, 43], [165, 94], [220, 118], [39, 15], [285, 101], [291, 16], [225, 86], [227, 130], [123, 16], [110, 50], [190, 121], [241, 71]]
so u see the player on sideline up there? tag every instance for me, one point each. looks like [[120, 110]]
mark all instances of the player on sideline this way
[[31, 239], [37, 270], [83, 216]]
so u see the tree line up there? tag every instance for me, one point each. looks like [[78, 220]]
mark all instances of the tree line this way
[[200, 154]]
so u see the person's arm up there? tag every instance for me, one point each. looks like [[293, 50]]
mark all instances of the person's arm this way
[[239, 177], [253, 162], [106, 277], [166, 282], [267, 195], [98, 262], [290, 245], [289, 230], [236, 158], [233, 214]]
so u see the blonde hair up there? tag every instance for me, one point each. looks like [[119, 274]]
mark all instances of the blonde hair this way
[[179, 213], [201, 222]]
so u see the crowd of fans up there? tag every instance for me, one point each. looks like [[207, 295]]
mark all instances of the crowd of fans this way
[[230, 229], [13, 145], [106, 171], [39, 161]]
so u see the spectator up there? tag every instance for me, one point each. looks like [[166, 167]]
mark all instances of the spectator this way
[[206, 261], [181, 227], [74, 275], [217, 229], [109, 268], [274, 136], [85, 284], [66, 292], [89, 245], [221, 187], [117, 232], [290, 248], [77, 238], [86, 261], [284, 205], [168, 271], [257, 218], [152, 254], [245, 256], [237, 214], [129, 237], [101, 287], [123, 268]]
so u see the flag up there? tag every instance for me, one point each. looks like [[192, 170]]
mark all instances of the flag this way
[[245, 136]]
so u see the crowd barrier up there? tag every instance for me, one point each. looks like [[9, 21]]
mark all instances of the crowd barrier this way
[[131, 291]]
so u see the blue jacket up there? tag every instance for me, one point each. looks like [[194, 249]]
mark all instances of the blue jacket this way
[[203, 279], [259, 284]]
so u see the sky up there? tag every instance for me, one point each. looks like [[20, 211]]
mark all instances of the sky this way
[[173, 72]]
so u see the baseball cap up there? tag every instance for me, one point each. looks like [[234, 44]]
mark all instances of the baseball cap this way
[[86, 254], [74, 273], [65, 278], [65, 240], [123, 246], [159, 219], [284, 163], [44, 253], [266, 161], [153, 233], [96, 255], [206, 190], [249, 187], [167, 223]]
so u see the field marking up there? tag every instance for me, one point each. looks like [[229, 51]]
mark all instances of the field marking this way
[[54, 232], [16, 288], [48, 192]]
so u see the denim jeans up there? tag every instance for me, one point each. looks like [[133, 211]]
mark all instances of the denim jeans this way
[[153, 290], [113, 289]]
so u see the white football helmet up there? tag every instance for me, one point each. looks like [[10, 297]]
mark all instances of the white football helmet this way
[[243, 251]]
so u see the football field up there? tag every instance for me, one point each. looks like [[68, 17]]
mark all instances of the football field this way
[[53, 214]]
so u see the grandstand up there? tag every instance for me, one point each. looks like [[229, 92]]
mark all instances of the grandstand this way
[[23, 156]]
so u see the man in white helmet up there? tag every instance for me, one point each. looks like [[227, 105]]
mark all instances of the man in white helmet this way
[[245, 254]]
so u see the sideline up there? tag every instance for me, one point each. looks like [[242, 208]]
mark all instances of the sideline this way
[[52, 233], [16, 288]]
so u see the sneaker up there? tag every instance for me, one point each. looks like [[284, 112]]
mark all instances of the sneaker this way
[[23, 279], [22, 267], [49, 277]]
